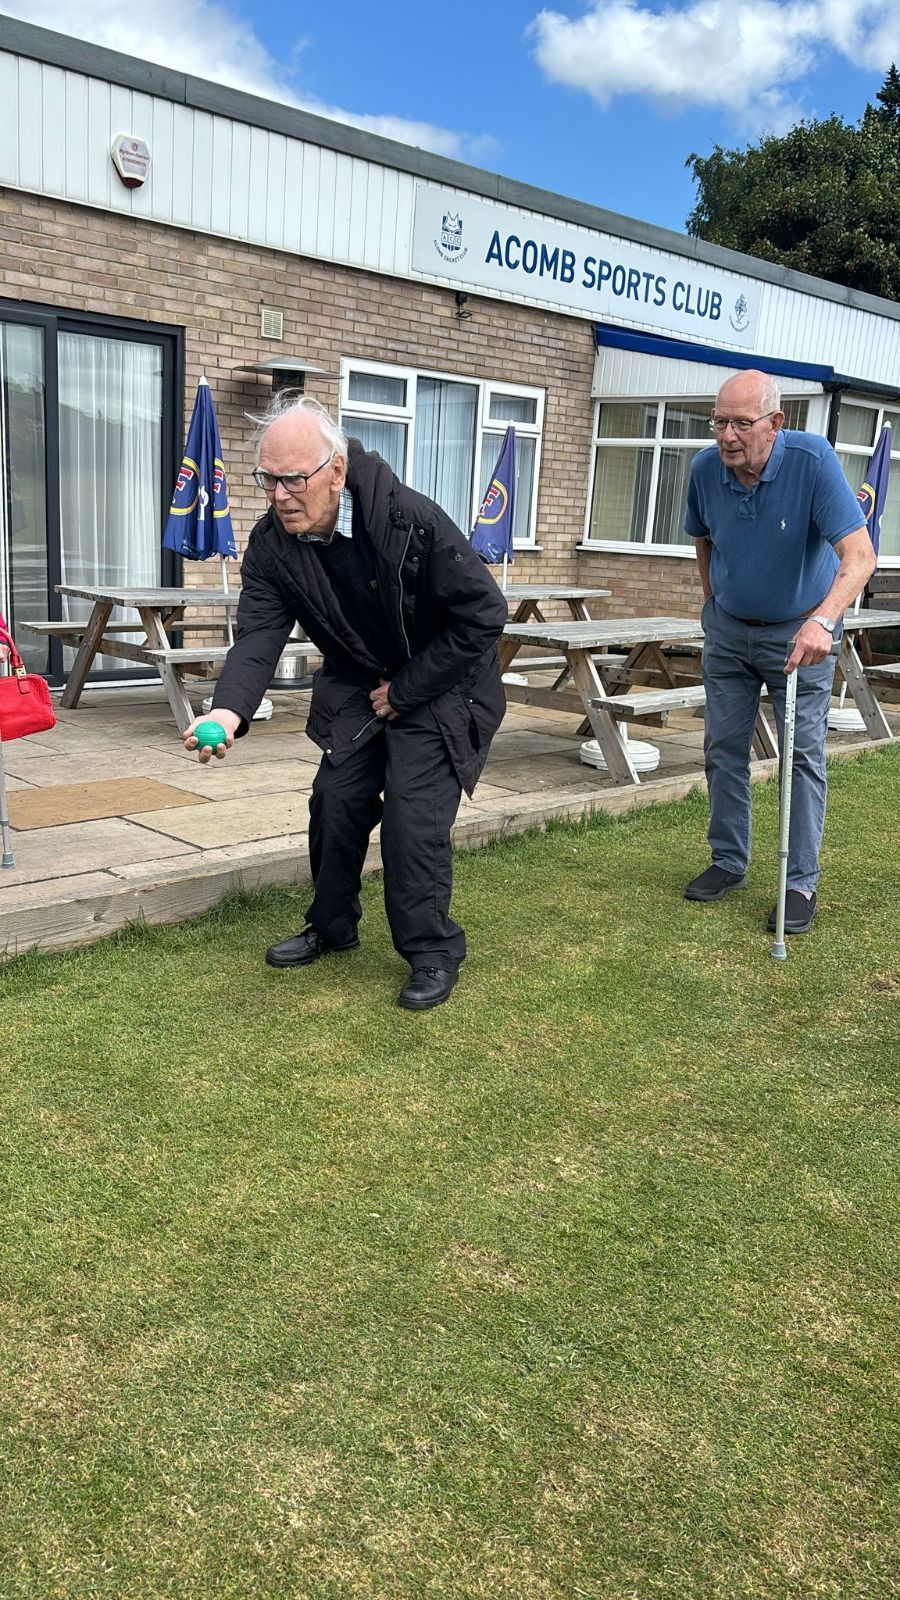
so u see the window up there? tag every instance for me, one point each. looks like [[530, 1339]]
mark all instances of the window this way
[[643, 451], [87, 460], [859, 427], [443, 435]]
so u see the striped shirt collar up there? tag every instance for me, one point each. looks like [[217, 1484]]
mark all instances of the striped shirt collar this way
[[343, 524]]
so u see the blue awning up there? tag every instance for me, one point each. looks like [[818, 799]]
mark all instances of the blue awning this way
[[608, 336]]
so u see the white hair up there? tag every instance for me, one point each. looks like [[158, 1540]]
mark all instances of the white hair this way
[[287, 403]]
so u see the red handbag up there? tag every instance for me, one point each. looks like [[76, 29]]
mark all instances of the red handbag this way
[[25, 704]]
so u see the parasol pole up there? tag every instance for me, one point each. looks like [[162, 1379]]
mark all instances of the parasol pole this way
[[225, 590]]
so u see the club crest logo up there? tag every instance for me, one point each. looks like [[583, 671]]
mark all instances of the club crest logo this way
[[221, 508], [191, 494], [449, 245], [494, 504], [866, 498], [740, 316], [186, 488]]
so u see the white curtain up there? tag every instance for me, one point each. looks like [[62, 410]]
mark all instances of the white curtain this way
[[388, 438], [445, 445], [110, 408]]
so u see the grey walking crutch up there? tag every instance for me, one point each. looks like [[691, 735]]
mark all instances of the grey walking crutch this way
[[779, 948]]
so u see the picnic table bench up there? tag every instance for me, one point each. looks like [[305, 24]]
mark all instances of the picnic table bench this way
[[160, 613], [205, 661], [582, 644], [655, 702]]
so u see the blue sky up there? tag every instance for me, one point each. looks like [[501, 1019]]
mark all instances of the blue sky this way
[[602, 100]]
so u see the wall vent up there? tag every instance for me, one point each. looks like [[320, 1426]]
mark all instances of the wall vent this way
[[271, 323]]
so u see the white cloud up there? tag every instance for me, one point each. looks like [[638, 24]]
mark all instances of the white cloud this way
[[747, 59], [207, 40]]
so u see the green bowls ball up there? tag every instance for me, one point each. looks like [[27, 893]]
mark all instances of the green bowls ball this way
[[209, 734]]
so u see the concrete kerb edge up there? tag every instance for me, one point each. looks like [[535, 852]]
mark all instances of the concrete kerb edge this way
[[176, 896]]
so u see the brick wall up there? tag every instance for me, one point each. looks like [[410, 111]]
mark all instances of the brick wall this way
[[73, 257]]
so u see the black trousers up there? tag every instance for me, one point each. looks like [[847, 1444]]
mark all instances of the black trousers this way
[[406, 762]]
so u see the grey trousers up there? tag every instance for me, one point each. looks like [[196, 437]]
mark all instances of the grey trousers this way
[[737, 661]]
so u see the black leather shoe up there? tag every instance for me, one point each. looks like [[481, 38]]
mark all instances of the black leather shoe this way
[[426, 987], [306, 946], [798, 913], [714, 883]]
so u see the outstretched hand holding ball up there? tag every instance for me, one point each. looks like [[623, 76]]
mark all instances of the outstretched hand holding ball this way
[[212, 736]]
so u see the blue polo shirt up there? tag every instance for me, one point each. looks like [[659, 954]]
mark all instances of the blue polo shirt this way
[[773, 555]]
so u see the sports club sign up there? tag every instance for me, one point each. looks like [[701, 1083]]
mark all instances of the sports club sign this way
[[465, 240]]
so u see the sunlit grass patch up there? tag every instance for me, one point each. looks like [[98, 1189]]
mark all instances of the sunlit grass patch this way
[[579, 1285]]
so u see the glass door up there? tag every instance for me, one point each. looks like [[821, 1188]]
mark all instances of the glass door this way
[[90, 438], [24, 542]]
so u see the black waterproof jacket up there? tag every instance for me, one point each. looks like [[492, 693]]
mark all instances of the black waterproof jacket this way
[[444, 611]]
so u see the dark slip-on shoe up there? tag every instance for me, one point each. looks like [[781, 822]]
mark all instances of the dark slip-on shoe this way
[[305, 947], [799, 913], [426, 987], [714, 883]]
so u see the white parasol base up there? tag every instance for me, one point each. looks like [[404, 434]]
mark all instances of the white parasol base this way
[[644, 756], [845, 719]]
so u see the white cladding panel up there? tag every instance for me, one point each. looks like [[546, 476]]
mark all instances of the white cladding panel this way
[[217, 175], [631, 374]]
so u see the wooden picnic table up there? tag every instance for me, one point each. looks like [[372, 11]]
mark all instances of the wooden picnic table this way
[[641, 637], [851, 669], [528, 598], [160, 612]]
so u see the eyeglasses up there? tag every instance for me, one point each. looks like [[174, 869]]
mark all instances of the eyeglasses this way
[[739, 424], [291, 482]]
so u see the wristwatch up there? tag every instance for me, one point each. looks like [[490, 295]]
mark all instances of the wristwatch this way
[[828, 623]]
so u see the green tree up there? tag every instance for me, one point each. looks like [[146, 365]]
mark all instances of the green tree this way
[[824, 198]]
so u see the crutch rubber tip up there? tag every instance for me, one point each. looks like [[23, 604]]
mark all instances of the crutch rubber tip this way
[[779, 952]]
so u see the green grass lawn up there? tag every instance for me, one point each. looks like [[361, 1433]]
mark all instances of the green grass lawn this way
[[577, 1286]]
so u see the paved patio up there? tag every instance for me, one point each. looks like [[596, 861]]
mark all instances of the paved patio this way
[[113, 821]]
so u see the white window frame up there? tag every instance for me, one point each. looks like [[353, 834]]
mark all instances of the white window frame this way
[[485, 425], [655, 442], [888, 563]]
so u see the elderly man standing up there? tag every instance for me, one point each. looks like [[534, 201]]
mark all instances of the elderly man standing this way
[[408, 698], [782, 550]]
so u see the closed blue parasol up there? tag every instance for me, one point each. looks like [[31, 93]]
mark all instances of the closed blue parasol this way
[[199, 524], [492, 535], [872, 496], [873, 491]]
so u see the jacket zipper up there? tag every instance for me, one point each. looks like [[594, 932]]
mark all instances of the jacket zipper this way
[[402, 628], [400, 587]]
